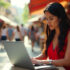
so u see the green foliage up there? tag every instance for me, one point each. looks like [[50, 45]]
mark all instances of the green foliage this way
[[4, 4], [16, 19], [25, 14]]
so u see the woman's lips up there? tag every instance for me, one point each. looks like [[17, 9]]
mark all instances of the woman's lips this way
[[50, 25]]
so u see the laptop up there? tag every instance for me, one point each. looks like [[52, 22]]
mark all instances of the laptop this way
[[19, 56]]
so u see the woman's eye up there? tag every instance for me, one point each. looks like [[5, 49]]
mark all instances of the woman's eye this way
[[50, 18], [46, 19]]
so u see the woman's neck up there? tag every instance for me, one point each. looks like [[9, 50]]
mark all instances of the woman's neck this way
[[57, 31]]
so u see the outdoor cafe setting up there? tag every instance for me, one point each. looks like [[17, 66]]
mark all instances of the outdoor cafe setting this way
[[34, 34]]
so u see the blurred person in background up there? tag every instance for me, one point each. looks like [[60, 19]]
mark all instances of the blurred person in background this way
[[4, 33], [1, 25], [10, 33], [18, 35], [58, 41], [32, 36], [28, 31], [23, 31]]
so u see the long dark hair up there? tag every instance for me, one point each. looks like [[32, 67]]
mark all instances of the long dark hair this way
[[32, 28], [18, 29], [57, 10]]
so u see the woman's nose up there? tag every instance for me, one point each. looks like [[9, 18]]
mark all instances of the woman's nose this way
[[48, 22]]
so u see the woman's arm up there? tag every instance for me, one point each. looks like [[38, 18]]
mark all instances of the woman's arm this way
[[61, 62], [13, 34], [40, 57], [66, 60], [43, 55], [7, 33], [20, 35]]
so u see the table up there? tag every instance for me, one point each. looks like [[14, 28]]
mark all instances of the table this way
[[9, 66]]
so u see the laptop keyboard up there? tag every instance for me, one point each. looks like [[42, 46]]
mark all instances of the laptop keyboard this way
[[44, 67]]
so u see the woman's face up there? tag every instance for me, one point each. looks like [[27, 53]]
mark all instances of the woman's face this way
[[52, 20]]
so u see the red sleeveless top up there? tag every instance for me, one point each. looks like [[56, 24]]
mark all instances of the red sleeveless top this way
[[53, 53]]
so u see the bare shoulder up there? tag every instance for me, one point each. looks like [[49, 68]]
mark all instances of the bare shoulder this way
[[69, 35], [67, 55]]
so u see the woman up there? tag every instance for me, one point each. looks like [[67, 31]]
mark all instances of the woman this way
[[10, 33], [58, 42], [18, 35], [1, 25], [32, 36], [4, 33]]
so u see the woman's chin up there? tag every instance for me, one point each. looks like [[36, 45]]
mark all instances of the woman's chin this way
[[51, 28]]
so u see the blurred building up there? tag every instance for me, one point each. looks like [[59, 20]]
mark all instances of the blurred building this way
[[7, 14], [7, 1], [3, 10]]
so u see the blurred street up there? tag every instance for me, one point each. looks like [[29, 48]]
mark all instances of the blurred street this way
[[28, 21], [3, 54]]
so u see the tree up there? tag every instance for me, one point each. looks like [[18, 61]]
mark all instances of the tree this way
[[4, 4], [25, 15]]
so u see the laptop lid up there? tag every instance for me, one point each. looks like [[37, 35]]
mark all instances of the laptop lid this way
[[18, 55]]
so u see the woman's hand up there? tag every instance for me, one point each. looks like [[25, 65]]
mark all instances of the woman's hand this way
[[35, 61]]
